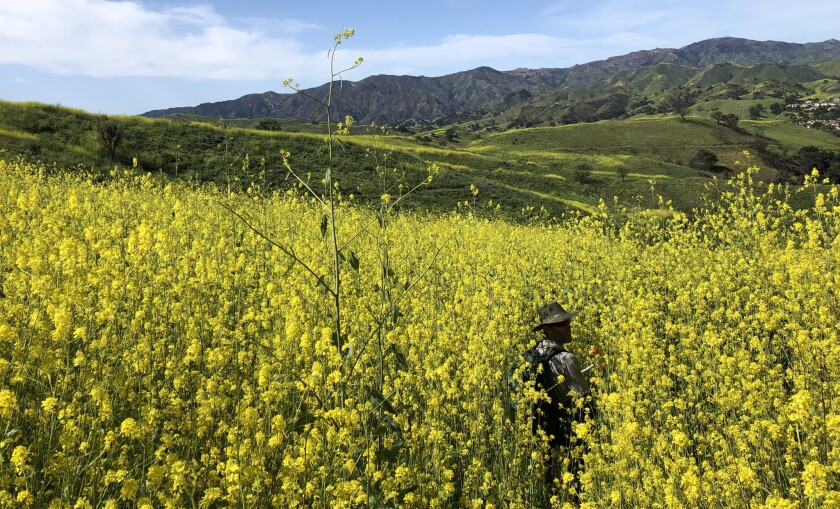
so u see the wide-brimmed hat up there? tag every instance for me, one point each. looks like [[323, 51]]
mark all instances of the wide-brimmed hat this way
[[553, 313]]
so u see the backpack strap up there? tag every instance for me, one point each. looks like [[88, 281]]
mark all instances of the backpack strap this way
[[548, 354]]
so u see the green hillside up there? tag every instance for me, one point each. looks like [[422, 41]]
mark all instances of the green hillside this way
[[824, 88], [519, 169], [829, 68], [713, 74], [654, 79], [778, 73], [660, 138]]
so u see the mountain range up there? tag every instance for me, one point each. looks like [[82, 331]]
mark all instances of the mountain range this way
[[388, 99]]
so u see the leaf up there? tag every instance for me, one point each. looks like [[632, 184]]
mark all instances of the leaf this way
[[324, 227], [405, 491], [402, 362], [392, 425], [374, 502], [379, 400], [301, 421], [390, 453], [395, 313], [381, 431], [354, 261]]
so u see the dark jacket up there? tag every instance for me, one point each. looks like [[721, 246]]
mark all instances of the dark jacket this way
[[564, 384]]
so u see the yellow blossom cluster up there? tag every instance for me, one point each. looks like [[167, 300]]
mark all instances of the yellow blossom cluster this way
[[158, 351]]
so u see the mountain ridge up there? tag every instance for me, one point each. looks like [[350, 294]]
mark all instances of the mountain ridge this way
[[388, 99]]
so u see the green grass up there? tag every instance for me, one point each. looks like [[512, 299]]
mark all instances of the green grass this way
[[739, 107], [824, 89], [658, 135], [790, 136], [517, 169], [648, 144]]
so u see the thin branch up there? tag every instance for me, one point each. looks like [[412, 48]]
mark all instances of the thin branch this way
[[385, 317], [288, 252], [304, 184], [391, 206]]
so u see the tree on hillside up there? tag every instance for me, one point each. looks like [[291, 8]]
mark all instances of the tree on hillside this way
[[270, 124], [680, 102], [110, 136], [731, 120], [810, 157], [717, 115], [757, 111], [583, 172], [777, 108], [704, 160], [735, 91]]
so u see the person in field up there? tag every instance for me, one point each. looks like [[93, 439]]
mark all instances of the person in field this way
[[566, 385]]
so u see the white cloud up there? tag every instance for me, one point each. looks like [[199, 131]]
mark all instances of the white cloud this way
[[103, 38], [289, 26], [123, 38], [195, 15], [462, 52]]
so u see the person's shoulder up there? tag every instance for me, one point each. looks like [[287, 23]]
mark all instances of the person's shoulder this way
[[566, 358]]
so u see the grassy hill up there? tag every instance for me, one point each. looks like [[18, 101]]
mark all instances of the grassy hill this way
[[657, 149], [520, 169]]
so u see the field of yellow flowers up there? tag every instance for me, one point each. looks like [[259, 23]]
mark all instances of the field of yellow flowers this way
[[157, 351]]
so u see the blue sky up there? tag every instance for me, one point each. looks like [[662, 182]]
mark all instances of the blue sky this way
[[128, 57]]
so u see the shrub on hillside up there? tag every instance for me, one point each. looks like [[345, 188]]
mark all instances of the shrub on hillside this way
[[583, 172]]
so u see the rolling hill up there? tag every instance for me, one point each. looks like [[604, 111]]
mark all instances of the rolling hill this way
[[522, 170]]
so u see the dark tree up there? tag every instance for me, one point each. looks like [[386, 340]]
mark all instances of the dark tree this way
[[731, 120], [812, 157], [777, 108], [761, 143], [679, 101], [757, 111], [269, 124], [717, 116], [110, 136], [704, 160]]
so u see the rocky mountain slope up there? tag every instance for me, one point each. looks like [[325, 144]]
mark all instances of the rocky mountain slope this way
[[387, 99]]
